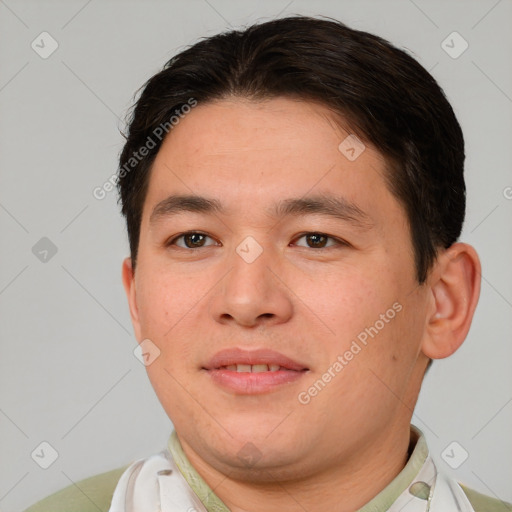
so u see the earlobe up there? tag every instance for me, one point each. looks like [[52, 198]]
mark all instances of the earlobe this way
[[455, 288], [129, 288]]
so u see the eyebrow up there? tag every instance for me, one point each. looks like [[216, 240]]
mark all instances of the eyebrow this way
[[330, 206]]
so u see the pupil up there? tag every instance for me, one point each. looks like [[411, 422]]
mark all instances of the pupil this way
[[317, 240], [194, 239]]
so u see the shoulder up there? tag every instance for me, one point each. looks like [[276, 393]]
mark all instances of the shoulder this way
[[482, 503], [90, 495]]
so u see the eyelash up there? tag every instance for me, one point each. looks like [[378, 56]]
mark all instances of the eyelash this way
[[337, 242]]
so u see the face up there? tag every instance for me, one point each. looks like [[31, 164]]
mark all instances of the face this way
[[280, 291]]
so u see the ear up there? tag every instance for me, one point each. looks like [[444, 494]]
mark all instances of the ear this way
[[129, 288], [455, 287]]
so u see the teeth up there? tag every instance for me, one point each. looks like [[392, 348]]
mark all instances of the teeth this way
[[255, 368]]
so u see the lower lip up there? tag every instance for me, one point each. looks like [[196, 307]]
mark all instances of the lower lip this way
[[252, 383]]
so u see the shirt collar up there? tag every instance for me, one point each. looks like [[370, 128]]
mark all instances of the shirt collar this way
[[383, 501], [404, 479]]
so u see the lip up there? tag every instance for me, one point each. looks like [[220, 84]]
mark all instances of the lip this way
[[248, 383]]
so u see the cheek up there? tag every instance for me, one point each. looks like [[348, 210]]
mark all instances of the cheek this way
[[162, 299], [351, 301], [167, 302], [372, 314]]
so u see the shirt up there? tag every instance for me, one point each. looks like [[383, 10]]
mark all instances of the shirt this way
[[95, 493]]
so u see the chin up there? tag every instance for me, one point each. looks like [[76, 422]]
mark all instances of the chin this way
[[263, 429], [258, 445], [255, 465]]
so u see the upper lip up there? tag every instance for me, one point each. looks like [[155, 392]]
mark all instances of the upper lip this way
[[232, 356]]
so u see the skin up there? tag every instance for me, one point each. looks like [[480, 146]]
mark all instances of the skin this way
[[308, 302]]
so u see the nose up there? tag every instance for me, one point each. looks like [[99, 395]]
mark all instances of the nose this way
[[253, 292]]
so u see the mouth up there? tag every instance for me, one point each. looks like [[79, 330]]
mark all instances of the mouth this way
[[246, 372], [253, 368]]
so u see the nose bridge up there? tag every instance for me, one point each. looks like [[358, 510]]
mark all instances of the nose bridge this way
[[250, 275], [249, 250], [250, 293]]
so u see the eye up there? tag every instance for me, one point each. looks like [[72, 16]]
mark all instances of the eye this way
[[191, 240], [319, 241]]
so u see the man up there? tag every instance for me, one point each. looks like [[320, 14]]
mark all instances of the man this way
[[293, 194]]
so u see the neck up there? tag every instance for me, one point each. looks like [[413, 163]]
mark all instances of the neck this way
[[343, 488]]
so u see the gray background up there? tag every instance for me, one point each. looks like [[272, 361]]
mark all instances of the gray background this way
[[68, 373]]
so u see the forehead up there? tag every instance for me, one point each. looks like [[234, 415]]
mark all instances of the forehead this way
[[224, 129], [248, 153]]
